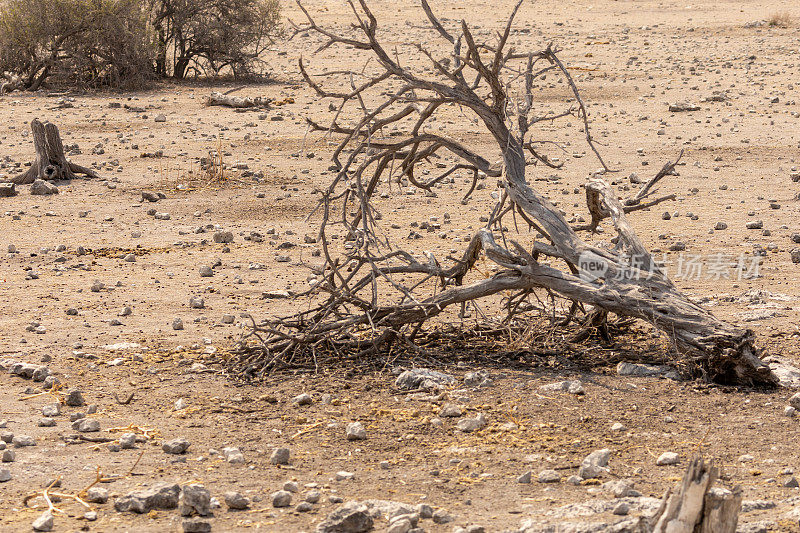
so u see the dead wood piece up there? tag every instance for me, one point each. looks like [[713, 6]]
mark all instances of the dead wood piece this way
[[238, 102], [50, 163], [373, 291], [696, 506]]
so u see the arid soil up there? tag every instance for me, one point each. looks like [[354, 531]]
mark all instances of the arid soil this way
[[63, 308]]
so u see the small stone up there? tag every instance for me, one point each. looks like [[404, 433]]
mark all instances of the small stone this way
[[224, 237], [422, 378], [574, 480], [594, 465], [576, 387], [683, 107], [281, 498], [74, 398], [280, 456], [621, 509], [233, 455], [795, 255], [668, 458], [45, 520], [43, 188], [442, 517], [127, 441], [399, 525], [97, 495], [129, 258], [347, 519], [51, 410], [719, 226], [176, 446], [86, 425], [313, 496], [618, 427], [177, 324], [794, 401], [7, 190], [91, 516], [356, 431], [194, 499], [303, 399], [303, 507], [468, 425], [5, 475], [236, 500], [21, 441], [525, 478], [450, 410], [343, 475], [746, 458], [291, 486], [549, 476], [206, 271], [197, 302], [755, 224], [9, 456], [46, 422], [160, 496], [228, 319], [160, 118]]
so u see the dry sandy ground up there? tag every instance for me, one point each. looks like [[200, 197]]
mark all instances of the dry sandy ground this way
[[630, 58]]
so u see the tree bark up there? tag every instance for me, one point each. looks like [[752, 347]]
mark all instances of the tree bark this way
[[50, 163]]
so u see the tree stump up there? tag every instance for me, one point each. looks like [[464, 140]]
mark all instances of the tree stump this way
[[697, 506], [50, 164]]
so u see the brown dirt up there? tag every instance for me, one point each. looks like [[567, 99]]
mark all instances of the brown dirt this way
[[746, 143]]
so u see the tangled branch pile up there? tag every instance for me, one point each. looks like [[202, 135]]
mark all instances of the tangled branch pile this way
[[373, 292]]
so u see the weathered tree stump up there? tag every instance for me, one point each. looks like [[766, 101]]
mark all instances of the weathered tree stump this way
[[50, 164], [698, 507]]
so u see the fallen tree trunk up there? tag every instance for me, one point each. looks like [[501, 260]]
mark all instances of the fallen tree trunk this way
[[374, 290], [237, 102], [50, 163]]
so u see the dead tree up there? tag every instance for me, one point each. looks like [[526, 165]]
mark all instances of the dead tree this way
[[372, 291], [50, 163]]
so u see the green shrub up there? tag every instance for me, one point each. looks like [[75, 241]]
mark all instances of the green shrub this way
[[208, 36], [80, 43]]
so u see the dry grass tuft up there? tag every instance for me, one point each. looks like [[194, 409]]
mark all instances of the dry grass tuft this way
[[780, 20]]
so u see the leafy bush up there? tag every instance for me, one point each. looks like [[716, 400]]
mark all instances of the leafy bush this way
[[83, 43], [210, 35], [123, 43]]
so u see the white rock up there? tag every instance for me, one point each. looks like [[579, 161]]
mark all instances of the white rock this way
[[667, 458]]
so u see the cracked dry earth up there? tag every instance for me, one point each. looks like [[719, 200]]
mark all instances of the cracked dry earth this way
[[63, 308]]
